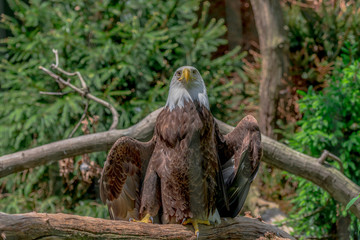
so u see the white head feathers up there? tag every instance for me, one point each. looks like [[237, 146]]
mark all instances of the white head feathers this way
[[186, 85]]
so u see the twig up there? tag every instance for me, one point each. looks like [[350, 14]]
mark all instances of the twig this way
[[54, 93], [55, 51], [85, 94], [81, 119], [56, 66], [327, 154]]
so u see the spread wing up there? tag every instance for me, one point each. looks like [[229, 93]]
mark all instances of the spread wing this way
[[122, 177], [240, 153]]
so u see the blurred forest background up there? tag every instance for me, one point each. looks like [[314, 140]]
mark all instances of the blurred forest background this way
[[127, 52]]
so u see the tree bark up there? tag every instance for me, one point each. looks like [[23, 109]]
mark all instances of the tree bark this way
[[274, 48], [66, 226], [342, 228], [96, 142], [234, 23], [276, 154]]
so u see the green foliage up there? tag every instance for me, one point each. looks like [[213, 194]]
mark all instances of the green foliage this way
[[324, 44], [319, 34], [330, 122], [126, 51]]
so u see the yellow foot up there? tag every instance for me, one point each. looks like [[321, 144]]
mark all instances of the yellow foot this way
[[146, 219], [195, 223]]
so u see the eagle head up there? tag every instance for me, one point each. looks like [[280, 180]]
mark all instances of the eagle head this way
[[186, 85]]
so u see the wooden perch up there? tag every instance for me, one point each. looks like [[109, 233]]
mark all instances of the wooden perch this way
[[276, 154], [65, 226]]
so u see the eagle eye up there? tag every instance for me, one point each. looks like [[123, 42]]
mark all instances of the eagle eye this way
[[194, 71], [178, 73]]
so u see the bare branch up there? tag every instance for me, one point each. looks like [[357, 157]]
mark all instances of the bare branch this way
[[276, 154], [56, 66], [85, 94], [54, 93], [66, 226], [327, 154], [56, 58]]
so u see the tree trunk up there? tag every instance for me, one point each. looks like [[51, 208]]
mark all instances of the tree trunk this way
[[342, 228], [234, 23], [274, 49], [66, 226]]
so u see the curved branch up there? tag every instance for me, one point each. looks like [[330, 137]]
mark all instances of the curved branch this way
[[71, 147], [327, 154], [276, 154], [42, 225]]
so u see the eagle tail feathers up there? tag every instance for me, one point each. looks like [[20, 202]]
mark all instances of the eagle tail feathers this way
[[214, 217]]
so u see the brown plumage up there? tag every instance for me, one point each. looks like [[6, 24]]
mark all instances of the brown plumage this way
[[188, 169]]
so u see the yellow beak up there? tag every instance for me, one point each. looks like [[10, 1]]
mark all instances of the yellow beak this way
[[185, 75]]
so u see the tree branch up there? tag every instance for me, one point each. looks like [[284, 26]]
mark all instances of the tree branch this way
[[56, 66], [327, 154], [96, 142], [84, 91], [276, 154], [42, 225], [54, 93]]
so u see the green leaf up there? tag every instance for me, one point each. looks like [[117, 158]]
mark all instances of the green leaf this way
[[351, 202]]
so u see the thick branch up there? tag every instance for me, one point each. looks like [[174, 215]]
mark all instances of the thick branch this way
[[276, 154], [71, 147], [42, 225], [327, 177]]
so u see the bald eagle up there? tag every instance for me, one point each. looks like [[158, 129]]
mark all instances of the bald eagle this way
[[188, 172]]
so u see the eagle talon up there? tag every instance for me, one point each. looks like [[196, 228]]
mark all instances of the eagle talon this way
[[146, 219], [195, 223]]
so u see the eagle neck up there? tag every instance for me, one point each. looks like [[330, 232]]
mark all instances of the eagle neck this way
[[179, 95]]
